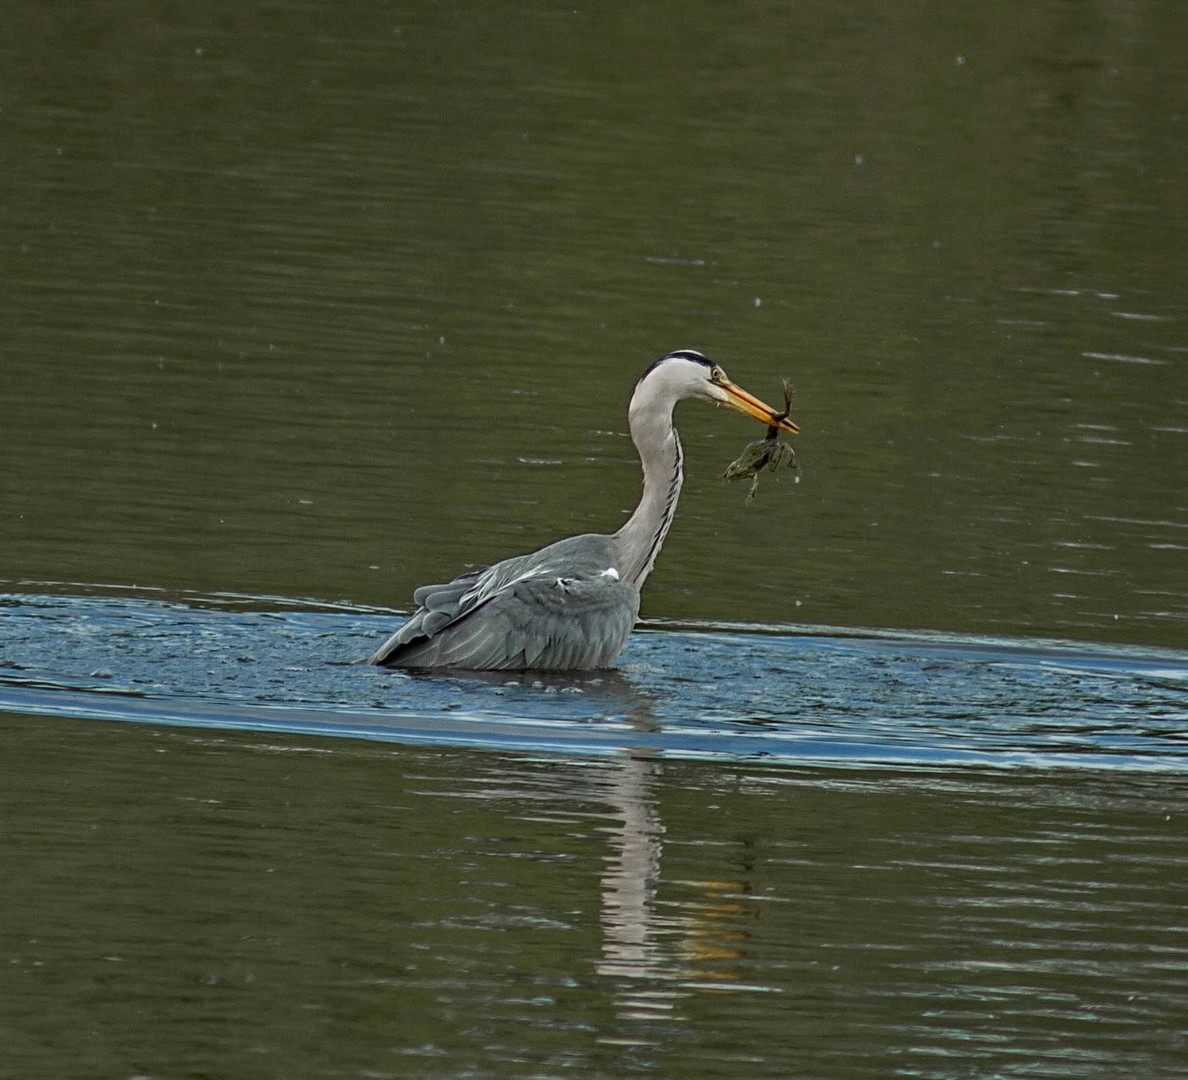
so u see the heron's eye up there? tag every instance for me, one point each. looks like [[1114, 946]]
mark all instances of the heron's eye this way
[[717, 375]]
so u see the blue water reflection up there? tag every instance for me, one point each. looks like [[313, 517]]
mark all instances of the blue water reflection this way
[[792, 695]]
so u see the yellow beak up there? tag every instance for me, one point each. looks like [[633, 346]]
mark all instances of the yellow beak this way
[[738, 398]]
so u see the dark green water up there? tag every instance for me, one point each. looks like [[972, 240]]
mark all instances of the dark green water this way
[[310, 304], [327, 306], [193, 905]]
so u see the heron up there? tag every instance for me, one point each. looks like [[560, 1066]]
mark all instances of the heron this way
[[571, 605]]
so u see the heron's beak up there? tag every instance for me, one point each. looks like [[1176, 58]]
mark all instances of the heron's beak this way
[[738, 398]]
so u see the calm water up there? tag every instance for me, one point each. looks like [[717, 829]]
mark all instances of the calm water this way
[[301, 309]]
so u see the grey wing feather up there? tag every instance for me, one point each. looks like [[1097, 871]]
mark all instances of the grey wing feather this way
[[560, 608], [441, 597]]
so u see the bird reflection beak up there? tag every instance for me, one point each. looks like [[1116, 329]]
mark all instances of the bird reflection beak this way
[[738, 398]]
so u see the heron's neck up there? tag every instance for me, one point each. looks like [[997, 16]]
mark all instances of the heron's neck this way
[[638, 541]]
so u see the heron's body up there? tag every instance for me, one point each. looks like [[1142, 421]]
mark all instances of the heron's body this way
[[571, 605], [563, 607]]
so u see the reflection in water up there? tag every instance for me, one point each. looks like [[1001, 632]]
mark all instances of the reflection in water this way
[[632, 946], [660, 959]]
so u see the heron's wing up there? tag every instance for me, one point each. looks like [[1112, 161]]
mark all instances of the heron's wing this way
[[437, 607], [535, 620]]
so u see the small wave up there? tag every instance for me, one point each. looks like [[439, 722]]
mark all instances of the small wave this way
[[789, 694]]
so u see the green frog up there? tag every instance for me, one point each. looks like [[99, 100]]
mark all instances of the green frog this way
[[769, 452]]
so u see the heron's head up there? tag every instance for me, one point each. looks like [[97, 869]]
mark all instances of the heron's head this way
[[687, 373]]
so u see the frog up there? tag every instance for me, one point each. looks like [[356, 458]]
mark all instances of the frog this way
[[768, 451]]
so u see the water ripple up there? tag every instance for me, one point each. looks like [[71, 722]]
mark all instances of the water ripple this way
[[787, 694]]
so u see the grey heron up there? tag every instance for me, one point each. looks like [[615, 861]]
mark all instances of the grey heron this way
[[571, 605]]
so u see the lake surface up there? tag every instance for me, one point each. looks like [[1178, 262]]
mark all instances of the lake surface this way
[[786, 852], [789, 695], [300, 310]]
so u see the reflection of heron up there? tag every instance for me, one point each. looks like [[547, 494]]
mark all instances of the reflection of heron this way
[[630, 947], [573, 604], [658, 953]]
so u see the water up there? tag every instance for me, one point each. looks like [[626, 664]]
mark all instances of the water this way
[[883, 854], [297, 314], [789, 854], [339, 315], [786, 696]]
